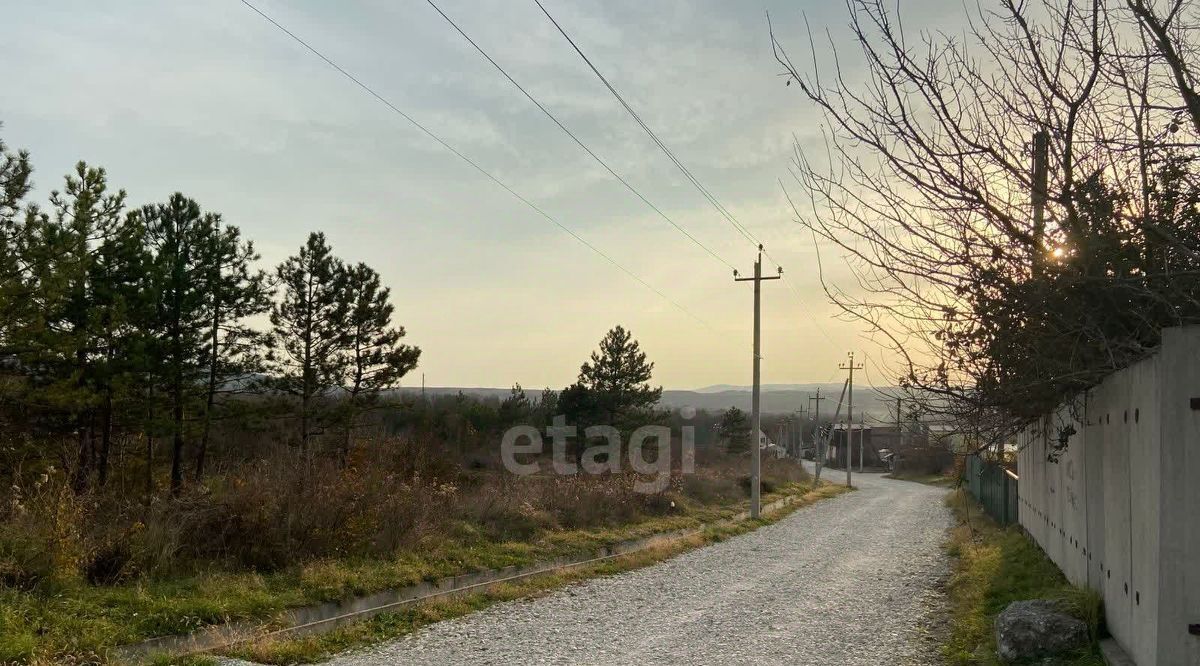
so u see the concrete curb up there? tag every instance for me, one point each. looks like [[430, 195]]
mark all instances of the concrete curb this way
[[1114, 654], [325, 617]]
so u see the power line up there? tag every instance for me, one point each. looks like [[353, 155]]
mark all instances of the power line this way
[[577, 140], [708, 195], [804, 306], [653, 136], [473, 164]]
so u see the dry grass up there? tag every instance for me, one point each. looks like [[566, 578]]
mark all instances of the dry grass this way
[[317, 648], [80, 574], [994, 566]]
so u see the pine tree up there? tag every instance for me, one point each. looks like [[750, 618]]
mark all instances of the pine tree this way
[[177, 237], [309, 336], [234, 292], [15, 183], [547, 406], [376, 358], [735, 430], [119, 304], [618, 378], [515, 408], [67, 343]]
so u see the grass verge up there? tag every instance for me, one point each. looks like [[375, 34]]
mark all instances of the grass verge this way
[[992, 567], [79, 623], [316, 648], [940, 480]]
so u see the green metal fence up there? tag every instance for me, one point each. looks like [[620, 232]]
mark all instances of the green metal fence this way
[[994, 487]]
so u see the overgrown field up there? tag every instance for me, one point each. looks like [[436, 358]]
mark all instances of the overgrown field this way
[[994, 566], [317, 648], [80, 574]]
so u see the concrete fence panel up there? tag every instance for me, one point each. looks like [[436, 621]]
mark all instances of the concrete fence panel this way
[[1117, 533], [1119, 510], [1179, 516]]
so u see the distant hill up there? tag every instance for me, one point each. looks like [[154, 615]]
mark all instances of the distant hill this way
[[775, 398], [473, 391], [778, 400], [722, 388]]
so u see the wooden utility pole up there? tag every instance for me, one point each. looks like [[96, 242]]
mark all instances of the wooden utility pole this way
[[816, 412], [756, 422], [1039, 179], [862, 438], [850, 412], [797, 431], [823, 445], [815, 407], [899, 441]]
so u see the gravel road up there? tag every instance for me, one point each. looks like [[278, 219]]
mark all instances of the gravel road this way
[[850, 580]]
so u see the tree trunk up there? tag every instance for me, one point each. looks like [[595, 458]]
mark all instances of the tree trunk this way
[[177, 433], [210, 399], [177, 415], [83, 462], [304, 419], [105, 436], [149, 439], [345, 453], [149, 468]]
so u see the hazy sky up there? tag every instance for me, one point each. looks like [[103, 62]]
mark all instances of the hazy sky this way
[[207, 98]]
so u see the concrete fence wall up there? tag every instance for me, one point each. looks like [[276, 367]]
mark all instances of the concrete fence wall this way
[[1120, 509]]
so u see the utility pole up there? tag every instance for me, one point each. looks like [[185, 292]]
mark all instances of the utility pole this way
[[850, 412], [823, 444], [862, 438], [899, 441], [1039, 177], [816, 411], [756, 423], [797, 431]]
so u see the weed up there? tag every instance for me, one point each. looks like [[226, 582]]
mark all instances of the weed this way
[[994, 566]]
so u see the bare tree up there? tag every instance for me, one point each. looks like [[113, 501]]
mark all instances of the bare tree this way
[[926, 186]]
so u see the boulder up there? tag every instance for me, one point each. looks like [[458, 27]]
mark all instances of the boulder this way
[[1035, 629]]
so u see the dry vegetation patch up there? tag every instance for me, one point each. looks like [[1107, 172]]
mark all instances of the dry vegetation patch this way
[[993, 567], [83, 573]]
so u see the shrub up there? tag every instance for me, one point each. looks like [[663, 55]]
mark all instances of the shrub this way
[[42, 538]]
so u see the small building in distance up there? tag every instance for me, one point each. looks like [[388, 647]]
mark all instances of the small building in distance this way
[[915, 446], [919, 447], [860, 435]]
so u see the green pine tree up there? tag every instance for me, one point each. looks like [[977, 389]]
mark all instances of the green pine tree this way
[[234, 293], [618, 379], [376, 359], [735, 430], [515, 408], [15, 183], [76, 315], [309, 336], [177, 237]]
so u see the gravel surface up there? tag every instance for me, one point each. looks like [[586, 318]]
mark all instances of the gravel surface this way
[[850, 580]]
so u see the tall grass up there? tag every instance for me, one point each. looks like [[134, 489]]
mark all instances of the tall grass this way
[[82, 572], [993, 567]]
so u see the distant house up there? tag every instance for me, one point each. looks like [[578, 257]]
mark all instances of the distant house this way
[[770, 447], [763, 440], [860, 435], [919, 447]]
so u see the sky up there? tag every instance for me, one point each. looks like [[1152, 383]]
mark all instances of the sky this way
[[208, 98]]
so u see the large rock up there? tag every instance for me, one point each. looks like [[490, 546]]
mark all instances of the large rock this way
[[1035, 629]]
